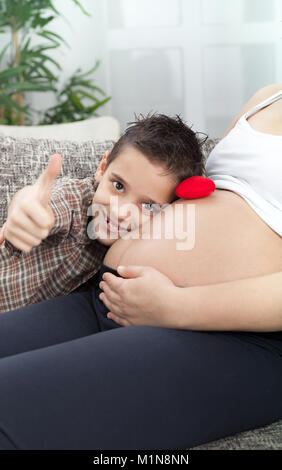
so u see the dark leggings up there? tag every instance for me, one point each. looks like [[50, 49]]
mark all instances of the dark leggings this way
[[63, 386]]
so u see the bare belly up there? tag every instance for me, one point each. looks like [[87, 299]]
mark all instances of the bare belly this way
[[231, 242]]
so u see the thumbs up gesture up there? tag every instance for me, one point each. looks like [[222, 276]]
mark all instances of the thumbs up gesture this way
[[30, 217]]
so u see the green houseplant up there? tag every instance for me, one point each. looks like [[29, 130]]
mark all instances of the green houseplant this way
[[27, 67]]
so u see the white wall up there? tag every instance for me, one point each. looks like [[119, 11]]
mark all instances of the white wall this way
[[202, 59]]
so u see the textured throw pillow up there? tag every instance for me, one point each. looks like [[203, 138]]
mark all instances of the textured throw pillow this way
[[208, 146], [22, 161]]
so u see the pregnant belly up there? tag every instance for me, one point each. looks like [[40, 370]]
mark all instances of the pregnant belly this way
[[225, 240]]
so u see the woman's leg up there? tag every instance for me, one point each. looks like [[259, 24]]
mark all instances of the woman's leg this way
[[56, 320], [49, 322], [138, 387]]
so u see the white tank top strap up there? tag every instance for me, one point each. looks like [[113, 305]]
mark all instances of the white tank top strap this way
[[264, 103], [249, 163]]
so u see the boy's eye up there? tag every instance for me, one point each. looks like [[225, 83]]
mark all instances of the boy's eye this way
[[154, 208], [119, 183]]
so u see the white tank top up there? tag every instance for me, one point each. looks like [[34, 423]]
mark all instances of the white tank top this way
[[249, 163]]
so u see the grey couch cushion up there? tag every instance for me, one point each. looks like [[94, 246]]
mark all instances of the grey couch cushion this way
[[22, 161], [264, 438], [208, 146]]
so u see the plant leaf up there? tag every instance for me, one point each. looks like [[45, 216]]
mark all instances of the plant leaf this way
[[13, 71], [98, 105], [3, 52], [81, 7], [9, 103], [23, 86], [76, 101]]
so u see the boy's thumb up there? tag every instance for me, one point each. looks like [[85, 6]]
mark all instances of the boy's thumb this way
[[131, 271], [45, 181]]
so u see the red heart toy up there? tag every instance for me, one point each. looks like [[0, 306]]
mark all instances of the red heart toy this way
[[195, 187]]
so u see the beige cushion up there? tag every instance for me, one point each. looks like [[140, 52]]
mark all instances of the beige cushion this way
[[99, 128]]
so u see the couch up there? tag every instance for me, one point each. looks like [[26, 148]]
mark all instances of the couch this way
[[23, 159]]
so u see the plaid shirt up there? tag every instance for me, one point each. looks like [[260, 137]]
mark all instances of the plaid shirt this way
[[63, 261]]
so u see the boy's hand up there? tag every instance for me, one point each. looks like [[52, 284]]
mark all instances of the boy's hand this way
[[30, 217], [2, 238]]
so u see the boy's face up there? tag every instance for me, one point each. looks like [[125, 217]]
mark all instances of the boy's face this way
[[127, 194]]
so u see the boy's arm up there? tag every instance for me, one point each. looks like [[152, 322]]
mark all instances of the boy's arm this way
[[253, 304], [29, 218], [63, 201], [66, 206]]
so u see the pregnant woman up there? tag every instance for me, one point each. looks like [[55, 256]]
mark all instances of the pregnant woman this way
[[207, 364]]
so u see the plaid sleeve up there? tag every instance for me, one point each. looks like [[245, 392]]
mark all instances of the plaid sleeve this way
[[61, 206], [11, 249], [69, 201]]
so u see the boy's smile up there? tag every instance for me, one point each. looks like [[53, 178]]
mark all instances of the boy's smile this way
[[131, 191]]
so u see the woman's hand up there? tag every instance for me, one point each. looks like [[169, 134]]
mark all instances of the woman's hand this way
[[143, 296]]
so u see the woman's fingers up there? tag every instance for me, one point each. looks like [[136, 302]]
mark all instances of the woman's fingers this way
[[120, 321], [110, 305], [110, 294]]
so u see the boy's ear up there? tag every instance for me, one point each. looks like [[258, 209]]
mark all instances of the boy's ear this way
[[101, 168]]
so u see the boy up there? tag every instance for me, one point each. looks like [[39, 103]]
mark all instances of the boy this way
[[48, 251]]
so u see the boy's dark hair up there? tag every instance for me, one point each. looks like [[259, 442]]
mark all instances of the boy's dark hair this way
[[164, 140]]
